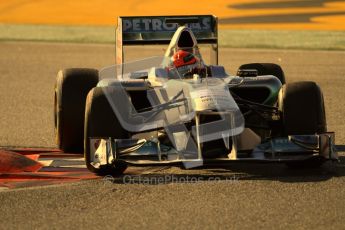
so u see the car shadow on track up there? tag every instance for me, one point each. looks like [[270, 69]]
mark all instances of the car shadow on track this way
[[280, 172], [233, 173]]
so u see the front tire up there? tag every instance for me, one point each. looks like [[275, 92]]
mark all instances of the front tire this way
[[303, 113], [302, 108], [71, 89], [101, 121]]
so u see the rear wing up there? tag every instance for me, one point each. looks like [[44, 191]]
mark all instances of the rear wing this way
[[158, 30]]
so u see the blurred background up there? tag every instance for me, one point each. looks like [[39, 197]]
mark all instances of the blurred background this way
[[297, 24], [240, 14]]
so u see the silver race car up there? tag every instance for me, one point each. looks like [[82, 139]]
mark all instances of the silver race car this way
[[176, 109]]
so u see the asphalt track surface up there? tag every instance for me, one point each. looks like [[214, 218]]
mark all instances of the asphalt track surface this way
[[239, 196]]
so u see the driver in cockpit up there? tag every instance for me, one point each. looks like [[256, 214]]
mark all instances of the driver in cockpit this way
[[188, 65]]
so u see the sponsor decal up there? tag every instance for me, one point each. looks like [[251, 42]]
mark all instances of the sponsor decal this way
[[159, 25], [211, 98]]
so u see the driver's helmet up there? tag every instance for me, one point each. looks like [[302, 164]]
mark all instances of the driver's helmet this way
[[187, 64]]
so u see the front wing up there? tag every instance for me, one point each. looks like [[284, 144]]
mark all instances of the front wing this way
[[105, 151]]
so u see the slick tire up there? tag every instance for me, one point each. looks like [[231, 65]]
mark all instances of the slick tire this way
[[266, 69], [71, 89], [101, 121], [302, 108], [303, 112]]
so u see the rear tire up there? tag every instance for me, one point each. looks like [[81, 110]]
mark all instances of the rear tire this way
[[266, 69], [303, 112], [71, 89], [101, 121]]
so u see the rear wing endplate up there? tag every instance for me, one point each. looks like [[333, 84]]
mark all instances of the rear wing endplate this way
[[158, 30]]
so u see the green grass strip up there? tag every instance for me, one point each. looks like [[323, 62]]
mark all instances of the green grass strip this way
[[272, 39], [286, 39], [77, 34]]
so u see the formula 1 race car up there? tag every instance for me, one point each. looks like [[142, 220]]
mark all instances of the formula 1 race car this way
[[176, 110]]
